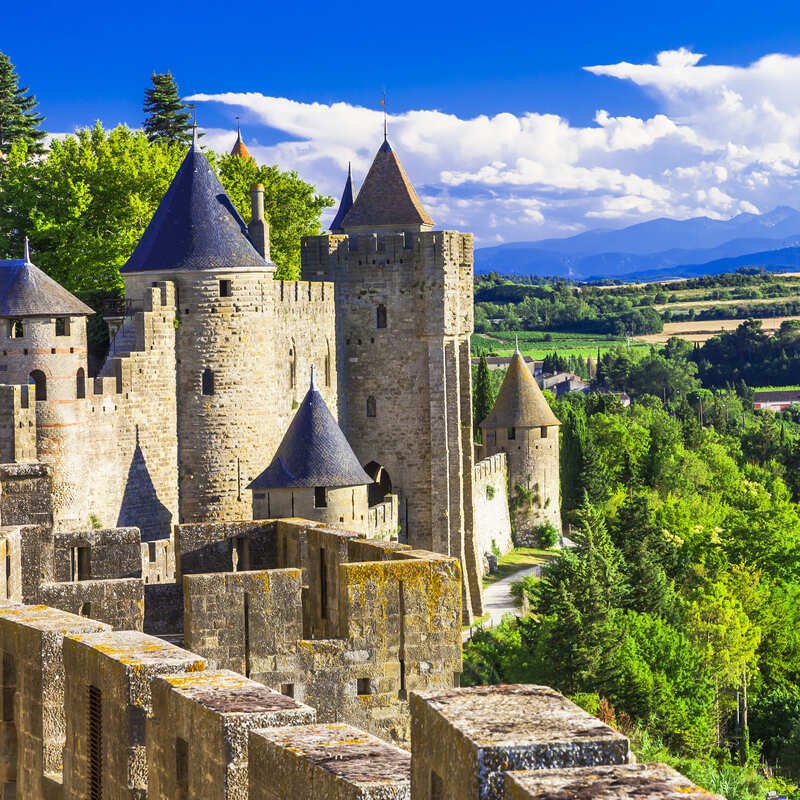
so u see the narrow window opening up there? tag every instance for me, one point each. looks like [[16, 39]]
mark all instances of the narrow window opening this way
[[320, 497], [323, 584], [16, 330], [95, 743], [8, 576], [544, 432], [371, 406], [208, 381], [38, 379], [80, 384], [81, 563], [401, 612], [151, 552], [381, 316], [512, 433], [287, 689], [247, 634], [364, 686], [62, 326], [86, 610], [182, 767], [226, 288]]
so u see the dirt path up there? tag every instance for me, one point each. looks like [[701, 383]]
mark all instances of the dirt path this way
[[498, 600]]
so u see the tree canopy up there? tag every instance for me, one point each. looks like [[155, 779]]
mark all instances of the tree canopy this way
[[19, 121], [86, 203]]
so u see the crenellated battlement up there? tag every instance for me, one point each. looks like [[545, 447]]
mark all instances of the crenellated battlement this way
[[331, 254], [492, 465], [304, 293]]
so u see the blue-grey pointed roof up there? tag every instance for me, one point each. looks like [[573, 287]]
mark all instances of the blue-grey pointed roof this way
[[26, 291], [314, 452], [195, 227], [345, 204]]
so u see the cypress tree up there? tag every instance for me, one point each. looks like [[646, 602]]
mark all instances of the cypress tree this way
[[168, 119], [18, 118], [484, 397]]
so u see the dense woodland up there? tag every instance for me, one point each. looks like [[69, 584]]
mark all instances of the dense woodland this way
[[680, 605]]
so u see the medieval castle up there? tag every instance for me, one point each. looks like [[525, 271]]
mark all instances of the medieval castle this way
[[270, 484]]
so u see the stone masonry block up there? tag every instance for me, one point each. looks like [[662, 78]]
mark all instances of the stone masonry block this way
[[472, 736]]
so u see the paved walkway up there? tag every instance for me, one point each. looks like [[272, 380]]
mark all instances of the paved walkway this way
[[498, 600]]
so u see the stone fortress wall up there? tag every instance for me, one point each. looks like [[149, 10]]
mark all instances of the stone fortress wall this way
[[88, 712], [111, 442], [490, 500], [245, 345]]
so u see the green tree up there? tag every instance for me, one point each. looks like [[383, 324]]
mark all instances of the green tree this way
[[291, 206], [168, 118], [86, 204], [484, 396], [19, 121]]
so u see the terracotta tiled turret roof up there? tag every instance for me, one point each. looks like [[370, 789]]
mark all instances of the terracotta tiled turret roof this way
[[387, 197], [195, 227], [240, 148], [520, 402], [345, 204], [26, 291], [314, 452]]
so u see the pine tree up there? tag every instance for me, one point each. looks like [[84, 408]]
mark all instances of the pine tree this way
[[484, 398], [18, 118], [167, 118]]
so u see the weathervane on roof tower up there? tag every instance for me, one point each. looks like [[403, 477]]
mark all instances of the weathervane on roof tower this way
[[385, 120]]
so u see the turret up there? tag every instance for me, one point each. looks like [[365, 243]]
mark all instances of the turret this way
[[345, 204], [315, 474], [43, 328], [523, 426]]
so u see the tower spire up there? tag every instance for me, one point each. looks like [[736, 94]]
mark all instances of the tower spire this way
[[27, 251], [313, 385], [385, 119], [194, 133]]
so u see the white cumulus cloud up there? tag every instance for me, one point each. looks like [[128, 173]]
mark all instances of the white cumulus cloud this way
[[726, 140]]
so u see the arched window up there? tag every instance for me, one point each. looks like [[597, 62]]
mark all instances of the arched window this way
[[38, 379], [371, 406], [80, 384], [292, 366], [208, 381], [16, 330], [381, 316]]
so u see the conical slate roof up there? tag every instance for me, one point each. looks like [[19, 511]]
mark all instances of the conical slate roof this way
[[196, 227], [520, 402], [386, 196], [345, 204], [314, 452], [240, 148], [26, 291]]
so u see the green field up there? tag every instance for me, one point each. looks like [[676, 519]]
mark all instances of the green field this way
[[538, 344]]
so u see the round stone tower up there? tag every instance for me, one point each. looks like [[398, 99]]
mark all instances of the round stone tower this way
[[43, 333], [315, 473], [523, 426], [224, 294]]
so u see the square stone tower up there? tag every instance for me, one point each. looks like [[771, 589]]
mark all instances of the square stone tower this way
[[404, 315]]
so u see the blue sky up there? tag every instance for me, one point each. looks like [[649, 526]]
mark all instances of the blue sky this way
[[443, 66]]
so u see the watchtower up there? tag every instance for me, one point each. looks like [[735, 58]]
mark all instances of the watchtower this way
[[224, 288], [404, 318], [523, 426], [43, 335]]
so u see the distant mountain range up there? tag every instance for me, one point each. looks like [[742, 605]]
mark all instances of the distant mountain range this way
[[656, 250]]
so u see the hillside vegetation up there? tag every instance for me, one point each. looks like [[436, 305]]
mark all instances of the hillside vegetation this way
[[680, 605]]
